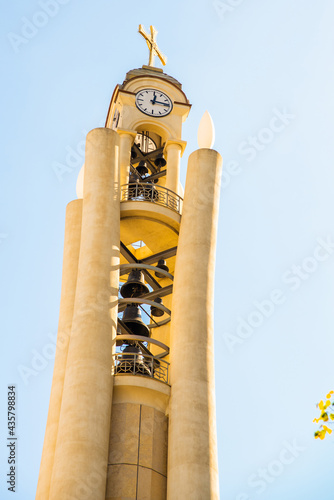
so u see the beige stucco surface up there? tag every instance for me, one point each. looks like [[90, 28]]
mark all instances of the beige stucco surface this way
[[141, 390], [126, 141]]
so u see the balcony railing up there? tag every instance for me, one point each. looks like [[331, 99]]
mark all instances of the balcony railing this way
[[141, 191], [140, 364]]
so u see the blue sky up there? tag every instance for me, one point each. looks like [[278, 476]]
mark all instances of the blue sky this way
[[264, 71]]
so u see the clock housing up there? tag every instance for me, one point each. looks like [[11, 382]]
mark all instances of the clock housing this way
[[168, 124]]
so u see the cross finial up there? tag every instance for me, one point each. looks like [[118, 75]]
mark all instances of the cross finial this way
[[152, 45]]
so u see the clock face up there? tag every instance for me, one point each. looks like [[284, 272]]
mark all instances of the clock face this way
[[153, 102], [115, 120]]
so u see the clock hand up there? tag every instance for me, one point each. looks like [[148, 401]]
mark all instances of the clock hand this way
[[162, 103], [154, 98]]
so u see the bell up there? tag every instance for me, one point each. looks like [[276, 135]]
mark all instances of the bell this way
[[160, 161], [142, 168], [155, 311], [131, 350], [162, 265], [135, 286], [132, 319], [132, 361]]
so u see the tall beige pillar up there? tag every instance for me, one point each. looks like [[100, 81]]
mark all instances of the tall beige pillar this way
[[192, 449], [68, 288], [127, 139], [173, 150], [81, 456]]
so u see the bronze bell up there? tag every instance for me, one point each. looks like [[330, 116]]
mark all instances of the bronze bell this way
[[132, 319], [160, 161], [155, 311], [142, 168], [132, 361], [162, 265], [135, 286], [131, 350]]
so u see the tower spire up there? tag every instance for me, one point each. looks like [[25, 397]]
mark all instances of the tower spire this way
[[152, 45]]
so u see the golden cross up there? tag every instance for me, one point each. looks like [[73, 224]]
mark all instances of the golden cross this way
[[152, 45]]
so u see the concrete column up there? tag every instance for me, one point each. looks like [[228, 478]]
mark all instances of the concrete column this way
[[173, 151], [127, 140], [192, 449], [81, 457], [68, 288]]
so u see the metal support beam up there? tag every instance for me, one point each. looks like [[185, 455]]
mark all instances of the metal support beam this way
[[127, 254], [165, 254], [162, 292], [155, 176], [148, 157], [132, 259]]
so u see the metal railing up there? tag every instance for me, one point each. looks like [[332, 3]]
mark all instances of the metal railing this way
[[140, 364], [145, 191]]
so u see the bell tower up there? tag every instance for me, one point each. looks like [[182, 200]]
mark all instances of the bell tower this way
[[132, 406]]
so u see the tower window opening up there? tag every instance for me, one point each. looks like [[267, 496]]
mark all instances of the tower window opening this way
[[145, 143], [138, 244]]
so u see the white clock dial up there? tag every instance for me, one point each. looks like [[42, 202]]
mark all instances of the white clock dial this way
[[153, 102]]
